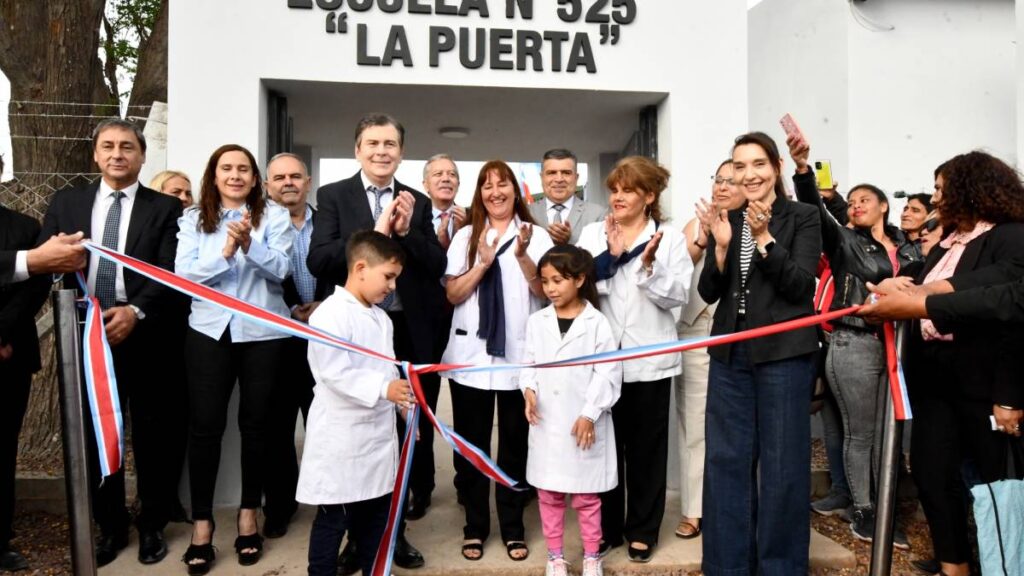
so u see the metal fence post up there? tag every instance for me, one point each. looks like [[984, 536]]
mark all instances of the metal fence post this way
[[76, 463], [885, 510]]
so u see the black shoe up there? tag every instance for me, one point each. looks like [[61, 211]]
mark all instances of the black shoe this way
[[406, 556], [152, 547], [11, 561], [417, 508], [107, 548], [275, 528], [606, 547], [863, 525], [929, 566], [642, 555], [348, 560]]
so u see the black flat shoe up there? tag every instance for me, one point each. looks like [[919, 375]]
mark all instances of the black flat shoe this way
[[406, 555], [107, 548], [417, 508], [606, 547], [348, 560], [152, 546], [642, 556], [11, 561], [275, 528]]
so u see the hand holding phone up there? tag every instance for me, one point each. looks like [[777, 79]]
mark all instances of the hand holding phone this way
[[790, 126]]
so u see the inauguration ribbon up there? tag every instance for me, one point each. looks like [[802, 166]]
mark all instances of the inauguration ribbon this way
[[894, 367], [101, 386], [108, 421]]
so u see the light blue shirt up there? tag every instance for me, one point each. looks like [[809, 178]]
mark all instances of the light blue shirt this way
[[255, 276], [305, 283]]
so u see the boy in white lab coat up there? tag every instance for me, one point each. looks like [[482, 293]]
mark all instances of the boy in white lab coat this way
[[350, 457]]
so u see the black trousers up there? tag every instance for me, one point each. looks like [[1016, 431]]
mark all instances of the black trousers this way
[[473, 414], [364, 521], [293, 393], [156, 405], [636, 506], [15, 385], [213, 367]]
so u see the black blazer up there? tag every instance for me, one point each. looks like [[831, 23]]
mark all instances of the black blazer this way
[[342, 209], [291, 293], [779, 287], [19, 301], [983, 369], [152, 237]]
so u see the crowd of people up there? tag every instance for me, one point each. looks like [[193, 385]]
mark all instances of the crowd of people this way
[[415, 277]]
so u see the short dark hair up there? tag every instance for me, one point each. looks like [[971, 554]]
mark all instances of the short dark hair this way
[[122, 124], [560, 154], [380, 119], [373, 247], [878, 193], [924, 199]]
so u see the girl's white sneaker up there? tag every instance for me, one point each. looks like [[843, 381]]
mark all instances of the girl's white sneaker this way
[[592, 567], [557, 567]]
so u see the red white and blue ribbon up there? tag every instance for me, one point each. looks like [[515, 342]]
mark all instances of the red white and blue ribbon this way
[[465, 449], [897, 382], [101, 386]]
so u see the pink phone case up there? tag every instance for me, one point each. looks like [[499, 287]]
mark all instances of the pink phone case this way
[[790, 126]]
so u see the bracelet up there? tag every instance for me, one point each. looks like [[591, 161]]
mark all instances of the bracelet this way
[[698, 245]]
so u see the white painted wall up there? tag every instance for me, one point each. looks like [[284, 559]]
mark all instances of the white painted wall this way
[[887, 106], [1020, 82]]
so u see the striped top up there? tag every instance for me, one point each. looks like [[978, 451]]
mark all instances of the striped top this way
[[746, 255]]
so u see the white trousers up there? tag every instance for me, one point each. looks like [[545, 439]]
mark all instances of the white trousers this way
[[691, 390]]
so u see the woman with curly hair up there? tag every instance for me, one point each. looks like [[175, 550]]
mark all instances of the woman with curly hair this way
[[958, 380]]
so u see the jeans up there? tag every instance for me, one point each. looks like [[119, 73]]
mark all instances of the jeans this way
[[757, 466], [365, 523], [857, 376], [832, 422]]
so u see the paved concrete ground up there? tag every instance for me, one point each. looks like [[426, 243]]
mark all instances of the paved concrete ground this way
[[439, 537]]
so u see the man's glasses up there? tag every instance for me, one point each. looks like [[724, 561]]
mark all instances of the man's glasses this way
[[718, 180]]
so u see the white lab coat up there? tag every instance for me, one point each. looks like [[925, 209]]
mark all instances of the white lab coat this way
[[639, 307], [554, 461], [351, 450], [464, 346]]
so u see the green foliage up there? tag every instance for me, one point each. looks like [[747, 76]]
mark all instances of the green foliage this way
[[132, 21]]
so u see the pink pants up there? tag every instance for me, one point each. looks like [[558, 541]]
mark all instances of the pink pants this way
[[552, 518]]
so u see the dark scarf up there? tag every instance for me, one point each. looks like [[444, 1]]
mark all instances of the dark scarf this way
[[605, 265], [491, 298]]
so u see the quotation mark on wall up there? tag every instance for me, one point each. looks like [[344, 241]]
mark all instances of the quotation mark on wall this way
[[610, 31], [337, 23]]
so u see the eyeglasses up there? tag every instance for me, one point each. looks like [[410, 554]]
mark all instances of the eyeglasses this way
[[718, 180], [930, 225]]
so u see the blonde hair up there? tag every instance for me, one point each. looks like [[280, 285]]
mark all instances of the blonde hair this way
[[158, 181]]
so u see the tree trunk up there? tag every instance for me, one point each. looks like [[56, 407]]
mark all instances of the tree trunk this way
[[151, 73], [49, 52]]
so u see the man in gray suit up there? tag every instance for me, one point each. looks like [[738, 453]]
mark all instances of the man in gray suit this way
[[561, 212]]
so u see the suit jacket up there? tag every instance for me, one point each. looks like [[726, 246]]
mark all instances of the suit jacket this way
[[291, 293], [20, 301], [342, 209], [152, 237], [779, 287], [983, 368], [582, 213], [998, 303]]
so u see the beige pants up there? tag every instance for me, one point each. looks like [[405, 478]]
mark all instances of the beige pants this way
[[691, 389]]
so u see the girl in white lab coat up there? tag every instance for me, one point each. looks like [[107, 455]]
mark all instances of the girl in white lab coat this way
[[572, 439]]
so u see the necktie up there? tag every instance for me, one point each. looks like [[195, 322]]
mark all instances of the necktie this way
[[558, 213], [107, 270], [378, 209]]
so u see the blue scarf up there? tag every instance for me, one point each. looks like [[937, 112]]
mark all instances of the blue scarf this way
[[606, 265], [491, 298]]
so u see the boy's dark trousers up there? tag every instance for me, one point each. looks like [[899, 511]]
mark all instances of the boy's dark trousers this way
[[363, 521]]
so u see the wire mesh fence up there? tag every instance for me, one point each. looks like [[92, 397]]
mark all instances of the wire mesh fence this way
[[30, 192]]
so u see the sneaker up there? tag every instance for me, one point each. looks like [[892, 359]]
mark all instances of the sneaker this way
[[899, 539], [863, 526], [592, 567], [833, 503], [557, 567]]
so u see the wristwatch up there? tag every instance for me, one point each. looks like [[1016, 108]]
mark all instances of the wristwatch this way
[[139, 314]]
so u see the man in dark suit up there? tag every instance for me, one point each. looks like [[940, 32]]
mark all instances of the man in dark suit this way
[[373, 199], [142, 223], [19, 359], [562, 213], [288, 184]]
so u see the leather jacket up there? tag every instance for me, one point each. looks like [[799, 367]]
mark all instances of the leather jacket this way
[[857, 258]]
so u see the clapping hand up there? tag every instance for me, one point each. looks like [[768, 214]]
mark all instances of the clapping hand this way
[[647, 258], [523, 239], [560, 233], [758, 214], [240, 231], [403, 213], [616, 242], [485, 250]]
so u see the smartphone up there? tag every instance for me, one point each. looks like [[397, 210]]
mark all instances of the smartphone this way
[[823, 174], [790, 126]]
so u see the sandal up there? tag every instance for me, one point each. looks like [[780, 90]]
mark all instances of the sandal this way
[[205, 552], [472, 546], [514, 546], [687, 530], [252, 542]]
